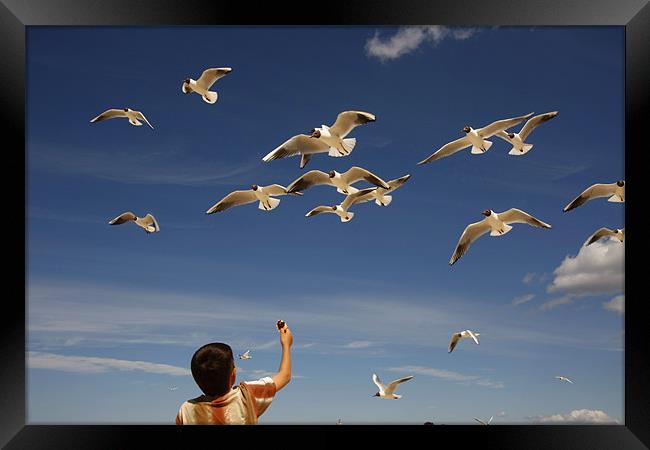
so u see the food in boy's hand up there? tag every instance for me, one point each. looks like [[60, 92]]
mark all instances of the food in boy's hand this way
[[280, 324]]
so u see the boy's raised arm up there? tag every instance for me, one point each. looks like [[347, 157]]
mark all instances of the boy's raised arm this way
[[282, 378]]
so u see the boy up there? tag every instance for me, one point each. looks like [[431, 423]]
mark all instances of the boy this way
[[213, 369]]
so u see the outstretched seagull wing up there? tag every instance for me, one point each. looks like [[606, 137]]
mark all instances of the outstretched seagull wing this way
[[472, 232], [534, 122], [311, 178], [378, 382], [448, 149], [600, 233], [354, 174], [501, 125], [275, 189], [150, 220], [109, 114], [393, 384], [318, 210], [473, 336], [235, 198], [356, 197], [348, 120], [453, 342], [124, 217], [514, 215], [209, 76], [595, 191], [300, 143], [139, 115]]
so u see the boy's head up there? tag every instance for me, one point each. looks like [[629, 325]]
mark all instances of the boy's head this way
[[213, 368]]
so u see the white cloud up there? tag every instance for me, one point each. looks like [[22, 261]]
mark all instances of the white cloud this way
[[358, 344], [501, 414], [596, 269], [578, 416], [522, 299], [617, 304], [408, 39], [529, 278], [447, 375], [567, 299], [92, 364]]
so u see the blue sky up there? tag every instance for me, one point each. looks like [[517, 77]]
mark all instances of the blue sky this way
[[115, 314]]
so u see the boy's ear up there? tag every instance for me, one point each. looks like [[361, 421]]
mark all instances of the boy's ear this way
[[233, 376]]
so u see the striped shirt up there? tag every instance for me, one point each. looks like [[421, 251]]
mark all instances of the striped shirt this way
[[231, 408]]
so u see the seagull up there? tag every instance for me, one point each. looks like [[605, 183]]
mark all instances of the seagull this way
[[339, 422], [341, 209], [262, 193], [519, 147], [132, 115], [475, 138], [246, 355], [342, 181], [148, 222], [173, 388], [604, 232], [204, 83], [615, 192], [388, 391], [324, 139], [484, 423], [564, 379], [379, 194], [462, 334], [497, 224]]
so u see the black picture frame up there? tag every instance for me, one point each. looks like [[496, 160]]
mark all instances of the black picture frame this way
[[634, 15]]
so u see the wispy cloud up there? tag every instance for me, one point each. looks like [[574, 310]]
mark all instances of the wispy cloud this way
[[550, 304], [85, 315], [522, 299], [408, 39], [584, 416], [93, 364], [528, 278], [170, 166], [447, 375], [617, 304], [358, 344]]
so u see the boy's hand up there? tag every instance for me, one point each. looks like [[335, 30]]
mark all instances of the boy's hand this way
[[286, 337]]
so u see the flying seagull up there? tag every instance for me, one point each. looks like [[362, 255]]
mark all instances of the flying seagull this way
[[484, 423], [615, 192], [606, 232], [204, 83], [173, 388], [263, 194], [133, 116], [388, 391], [339, 422], [342, 181], [341, 209], [379, 195], [497, 224], [246, 355], [462, 334], [475, 138], [325, 139], [148, 223], [519, 147], [564, 379]]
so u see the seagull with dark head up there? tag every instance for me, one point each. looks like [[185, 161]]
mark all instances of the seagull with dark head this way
[[204, 83], [331, 140], [496, 224], [476, 138]]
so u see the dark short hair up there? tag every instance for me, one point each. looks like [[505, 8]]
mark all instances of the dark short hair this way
[[212, 366]]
